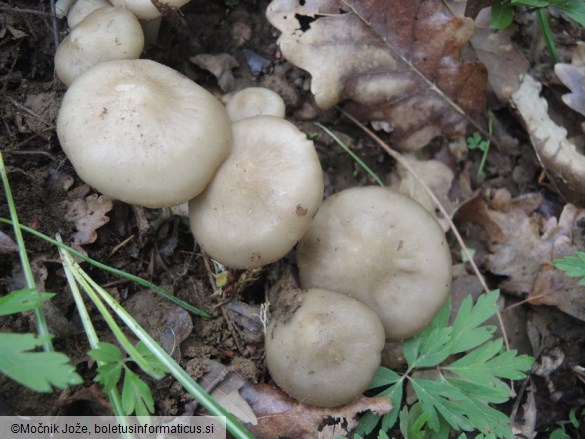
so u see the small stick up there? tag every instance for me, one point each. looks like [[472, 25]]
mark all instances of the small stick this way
[[398, 157], [54, 23]]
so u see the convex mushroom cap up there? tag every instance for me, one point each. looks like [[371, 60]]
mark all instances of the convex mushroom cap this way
[[82, 8], [141, 132], [255, 101], [144, 9], [262, 198], [327, 351], [106, 34], [382, 248]]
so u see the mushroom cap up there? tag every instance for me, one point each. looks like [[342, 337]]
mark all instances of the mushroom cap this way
[[82, 8], [141, 132], [327, 351], [262, 198], [144, 9], [382, 248], [255, 101], [105, 34]]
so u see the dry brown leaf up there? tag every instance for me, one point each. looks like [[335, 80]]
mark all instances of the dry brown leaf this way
[[220, 66], [395, 61], [504, 61], [553, 287], [168, 323], [523, 246], [7, 244], [437, 176], [512, 236], [88, 214], [559, 158], [227, 391], [280, 416], [473, 7], [573, 76]]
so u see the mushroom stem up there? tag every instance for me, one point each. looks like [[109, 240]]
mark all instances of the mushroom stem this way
[[151, 29], [62, 7]]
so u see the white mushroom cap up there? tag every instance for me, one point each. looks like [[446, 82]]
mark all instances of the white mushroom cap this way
[[106, 34], [382, 248], [82, 8], [144, 9], [255, 101], [327, 351], [262, 198], [143, 133]]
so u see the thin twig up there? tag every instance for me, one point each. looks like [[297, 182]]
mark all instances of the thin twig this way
[[6, 8], [55, 25], [398, 157]]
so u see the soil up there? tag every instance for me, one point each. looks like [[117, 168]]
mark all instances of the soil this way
[[160, 248]]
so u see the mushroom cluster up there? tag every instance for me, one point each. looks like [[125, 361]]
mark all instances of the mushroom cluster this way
[[373, 264], [384, 249]]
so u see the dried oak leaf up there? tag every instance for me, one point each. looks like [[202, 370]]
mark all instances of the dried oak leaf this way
[[227, 390], [512, 236], [437, 176], [396, 62], [88, 213], [280, 416], [573, 76], [168, 323], [524, 244], [553, 287], [559, 157], [504, 61]]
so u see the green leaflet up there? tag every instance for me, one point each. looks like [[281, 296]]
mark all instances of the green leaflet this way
[[458, 399], [22, 300], [573, 266], [40, 371]]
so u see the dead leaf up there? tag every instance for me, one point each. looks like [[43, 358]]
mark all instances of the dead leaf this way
[[473, 7], [559, 158], [512, 236], [220, 66], [166, 322], [504, 61], [553, 287], [397, 62], [573, 76], [43, 109], [437, 176], [476, 210], [227, 392], [279, 416], [523, 245], [525, 426], [88, 214], [7, 244]]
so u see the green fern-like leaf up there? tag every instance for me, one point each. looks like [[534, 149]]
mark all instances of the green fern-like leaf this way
[[458, 399]]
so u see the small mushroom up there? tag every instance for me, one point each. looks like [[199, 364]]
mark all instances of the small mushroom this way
[[145, 9], [106, 34], [382, 248], [323, 348], [82, 8], [141, 132], [255, 101], [262, 198]]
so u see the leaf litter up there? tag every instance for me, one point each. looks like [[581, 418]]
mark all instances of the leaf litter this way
[[396, 63]]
